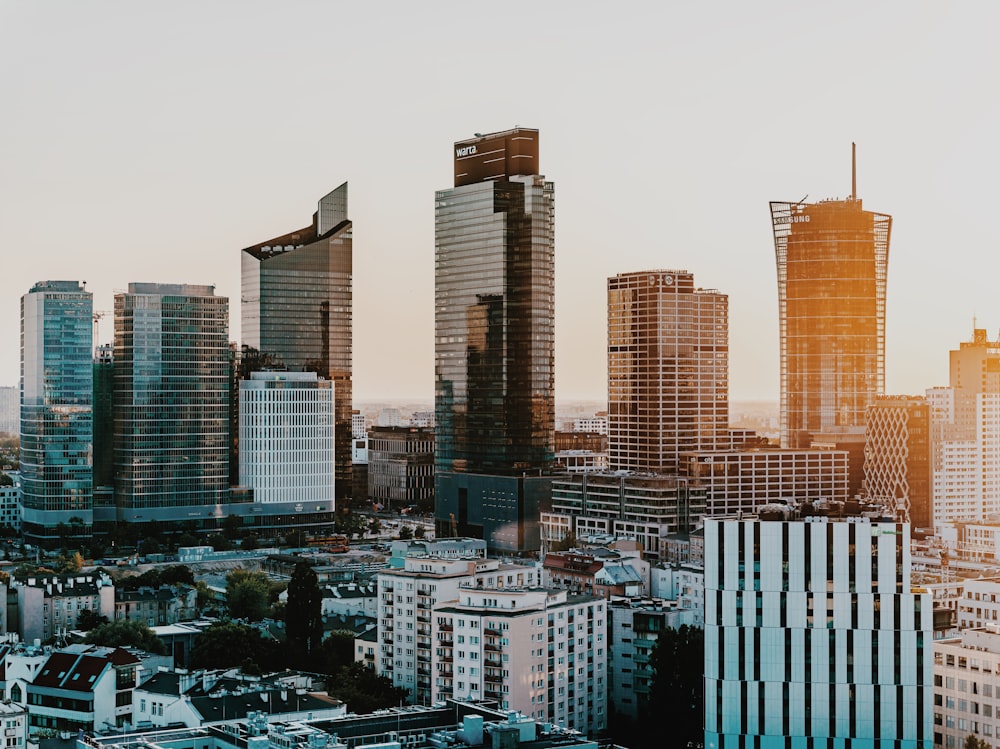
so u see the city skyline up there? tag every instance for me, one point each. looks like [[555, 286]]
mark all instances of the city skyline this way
[[127, 161]]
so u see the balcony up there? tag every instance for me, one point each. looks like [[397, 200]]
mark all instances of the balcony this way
[[492, 660], [492, 631], [493, 679]]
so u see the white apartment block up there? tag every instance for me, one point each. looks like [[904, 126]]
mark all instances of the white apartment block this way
[[596, 424], [979, 605], [406, 599], [540, 652], [684, 585], [49, 605], [967, 688], [813, 636], [286, 437]]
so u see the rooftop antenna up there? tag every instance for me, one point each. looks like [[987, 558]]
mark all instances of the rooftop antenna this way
[[854, 171]]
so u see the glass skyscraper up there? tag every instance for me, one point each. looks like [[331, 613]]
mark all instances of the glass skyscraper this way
[[296, 311], [494, 354], [832, 259], [171, 402], [56, 410]]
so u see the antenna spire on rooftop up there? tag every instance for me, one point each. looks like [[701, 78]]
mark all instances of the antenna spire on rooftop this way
[[854, 171]]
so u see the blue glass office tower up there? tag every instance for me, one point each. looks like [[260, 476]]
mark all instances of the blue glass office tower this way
[[171, 403], [494, 355], [57, 411]]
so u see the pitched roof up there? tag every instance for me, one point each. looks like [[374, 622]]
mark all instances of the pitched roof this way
[[231, 706], [71, 671]]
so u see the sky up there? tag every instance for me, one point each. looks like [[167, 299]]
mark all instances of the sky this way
[[153, 141]]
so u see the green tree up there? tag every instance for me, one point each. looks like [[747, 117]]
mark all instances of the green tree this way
[[89, 619], [303, 614], [177, 574], [972, 741], [335, 652], [677, 691], [125, 632], [250, 542], [248, 594], [405, 533], [364, 690], [296, 538], [568, 542], [420, 532], [228, 644]]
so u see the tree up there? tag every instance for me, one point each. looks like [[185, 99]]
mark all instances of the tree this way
[[125, 632], [568, 542], [248, 594], [335, 652], [974, 742], [250, 542], [405, 533], [420, 532], [228, 644], [677, 691], [89, 619], [303, 614], [296, 538], [364, 690]]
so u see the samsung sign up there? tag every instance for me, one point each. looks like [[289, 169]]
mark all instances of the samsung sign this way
[[792, 220], [465, 151]]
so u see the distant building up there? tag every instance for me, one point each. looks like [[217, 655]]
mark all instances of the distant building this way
[[296, 310], [57, 394], [157, 607], [598, 423], [494, 341], [390, 417], [898, 466], [287, 439], [10, 410], [401, 467], [668, 369], [643, 507], [10, 505], [736, 481], [422, 419], [47, 605], [171, 404], [359, 425], [684, 586], [813, 635]]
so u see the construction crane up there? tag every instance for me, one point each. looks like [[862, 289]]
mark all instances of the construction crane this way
[[98, 314]]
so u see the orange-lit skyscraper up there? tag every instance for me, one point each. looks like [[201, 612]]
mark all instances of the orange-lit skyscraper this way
[[832, 259]]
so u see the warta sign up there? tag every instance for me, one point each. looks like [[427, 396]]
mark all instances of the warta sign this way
[[465, 151]]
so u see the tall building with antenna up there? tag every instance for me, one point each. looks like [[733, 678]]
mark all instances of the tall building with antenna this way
[[832, 257]]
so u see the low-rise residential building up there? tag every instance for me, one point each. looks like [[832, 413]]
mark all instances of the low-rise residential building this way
[[199, 698], [157, 607], [14, 718], [19, 664], [598, 572], [83, 687], [979, 605], [684, 586], [537, 651], [634, 625], [48, 605], [351, 599]]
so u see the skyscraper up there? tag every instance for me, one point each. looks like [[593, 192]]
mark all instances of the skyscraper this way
[[668, 369], [171, 403], [56, 409], [494, 354], [832, 259], [296, 310]]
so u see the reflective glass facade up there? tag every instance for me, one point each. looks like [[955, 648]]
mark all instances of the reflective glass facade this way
[[171, 400], [56, 407], [494, 354], [668, 369], [832, 260], [296, 310]]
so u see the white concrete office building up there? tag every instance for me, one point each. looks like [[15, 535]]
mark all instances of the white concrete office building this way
[[813, 636], [287, 437]]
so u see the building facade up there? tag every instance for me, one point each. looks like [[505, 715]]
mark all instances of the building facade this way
[[832, 260], [406, 599], [743, 480], [965, 439], [494, 335], [171, 402], [296, 310], [539, 652], [401, 467], [10, 410], [898, 458], [287, 438], [668, 369], [813, 636], [966, 685], [57, 427]]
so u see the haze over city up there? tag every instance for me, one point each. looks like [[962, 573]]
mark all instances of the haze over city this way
[[153, 143]]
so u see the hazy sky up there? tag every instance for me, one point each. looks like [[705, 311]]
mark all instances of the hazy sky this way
[[145, 141]]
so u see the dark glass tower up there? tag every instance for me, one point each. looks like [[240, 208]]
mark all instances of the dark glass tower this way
[[171, 403], [494, 355], [296, 311], [832, 259], [56, 410]]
